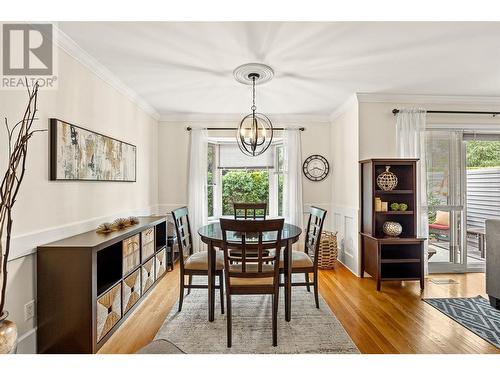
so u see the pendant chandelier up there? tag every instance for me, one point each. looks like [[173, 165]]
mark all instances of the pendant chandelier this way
[[255, 132]]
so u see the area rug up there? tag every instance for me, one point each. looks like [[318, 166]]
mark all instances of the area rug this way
[[310, 330], [475, 314]]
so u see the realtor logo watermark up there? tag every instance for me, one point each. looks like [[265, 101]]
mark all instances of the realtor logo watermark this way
[[28, 55]]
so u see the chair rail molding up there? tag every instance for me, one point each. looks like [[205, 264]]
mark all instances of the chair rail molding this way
[[26, 244]]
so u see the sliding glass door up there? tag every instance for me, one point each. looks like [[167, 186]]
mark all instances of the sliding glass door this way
[[445, 154], [463, 184]]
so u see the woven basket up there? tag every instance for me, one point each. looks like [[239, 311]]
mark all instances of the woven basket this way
[[327, 250]]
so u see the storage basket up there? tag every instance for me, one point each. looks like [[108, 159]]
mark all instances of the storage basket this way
[[327, 250]]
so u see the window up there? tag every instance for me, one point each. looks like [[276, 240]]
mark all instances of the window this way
[[235, 177], [245, 186], [211, 175], [280, 177]]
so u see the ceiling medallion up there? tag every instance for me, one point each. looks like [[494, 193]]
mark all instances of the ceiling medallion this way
[[255, 132]]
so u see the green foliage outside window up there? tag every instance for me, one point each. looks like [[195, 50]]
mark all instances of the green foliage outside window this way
[[250, 186], [483, 154]]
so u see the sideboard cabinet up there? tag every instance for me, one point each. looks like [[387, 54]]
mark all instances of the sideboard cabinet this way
[[88, 284]]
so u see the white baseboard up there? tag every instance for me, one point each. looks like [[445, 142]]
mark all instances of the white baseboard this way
[[26, 344]]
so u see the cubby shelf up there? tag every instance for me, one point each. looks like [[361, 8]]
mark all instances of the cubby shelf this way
[[394, 212], [89, 284], [409, 260], [393, 192]]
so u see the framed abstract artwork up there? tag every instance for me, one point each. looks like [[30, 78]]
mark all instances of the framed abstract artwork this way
[[84, 155]]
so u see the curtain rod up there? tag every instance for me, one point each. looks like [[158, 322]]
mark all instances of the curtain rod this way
[[395, 111], [301, 128]]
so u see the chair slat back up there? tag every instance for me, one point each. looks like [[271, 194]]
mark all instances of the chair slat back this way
[[314, 230], [250, 210], [251, 257], [183, 232]]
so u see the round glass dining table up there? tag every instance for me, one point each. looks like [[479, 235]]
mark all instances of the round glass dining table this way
[[211, 234]]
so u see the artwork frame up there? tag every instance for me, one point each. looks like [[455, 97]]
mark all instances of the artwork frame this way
[[111, 160]]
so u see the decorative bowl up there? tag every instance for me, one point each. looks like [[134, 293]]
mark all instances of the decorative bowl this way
[[392, 228], [133, 220], [121, 223], [105, 228]]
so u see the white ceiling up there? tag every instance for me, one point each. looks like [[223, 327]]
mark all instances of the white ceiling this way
[[182, 67]]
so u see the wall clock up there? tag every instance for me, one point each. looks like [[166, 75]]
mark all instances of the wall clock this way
[[316, 168]]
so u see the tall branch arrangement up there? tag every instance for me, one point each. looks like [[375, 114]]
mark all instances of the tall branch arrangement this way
[[18, 137]]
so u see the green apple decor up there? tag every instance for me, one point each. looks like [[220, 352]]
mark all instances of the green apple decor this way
[[395, 206], [399, 206]]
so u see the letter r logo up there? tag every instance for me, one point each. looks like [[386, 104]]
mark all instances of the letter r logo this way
[[27, 49]]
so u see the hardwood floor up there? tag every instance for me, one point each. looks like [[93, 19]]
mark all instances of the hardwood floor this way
[[394, 320]]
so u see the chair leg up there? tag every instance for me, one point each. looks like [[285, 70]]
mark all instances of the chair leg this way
[[306, 276], [221, 288], [190, 281], [181, 290], [275, 319], [315, 283], [229, 317]]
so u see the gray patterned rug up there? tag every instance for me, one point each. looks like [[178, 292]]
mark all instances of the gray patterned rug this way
[[475, 314], [311, 330]]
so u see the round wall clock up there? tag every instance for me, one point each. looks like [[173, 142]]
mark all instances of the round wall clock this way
[[316, 168]]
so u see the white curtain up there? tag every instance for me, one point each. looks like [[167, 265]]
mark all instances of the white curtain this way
[[410, 130], [292, 194], [197, 183]]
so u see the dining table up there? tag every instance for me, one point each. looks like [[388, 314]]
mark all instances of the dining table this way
[[211, 235]]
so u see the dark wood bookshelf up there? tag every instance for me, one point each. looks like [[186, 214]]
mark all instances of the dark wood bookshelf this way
[[384, 257], [89, 284]]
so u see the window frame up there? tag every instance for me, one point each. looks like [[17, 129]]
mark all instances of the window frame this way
[[215, 182], [273, 179]]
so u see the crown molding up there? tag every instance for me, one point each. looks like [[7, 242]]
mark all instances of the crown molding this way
[[235, 118], [427, 99], [351, 101], [74, 50]]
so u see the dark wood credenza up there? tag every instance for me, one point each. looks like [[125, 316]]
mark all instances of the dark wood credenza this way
[[88, 284]]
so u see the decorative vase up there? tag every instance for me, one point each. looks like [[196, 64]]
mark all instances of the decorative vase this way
[[392, 228], [387, 180], [8, 335]]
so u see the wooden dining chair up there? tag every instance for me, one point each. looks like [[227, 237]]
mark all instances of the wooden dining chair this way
[[255, 274], [250, 210], [194, 263], [306, 261]]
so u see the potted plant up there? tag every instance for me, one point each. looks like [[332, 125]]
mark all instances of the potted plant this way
[[18, 136]]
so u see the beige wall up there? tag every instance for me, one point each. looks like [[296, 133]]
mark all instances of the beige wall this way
[[345, 197], [173, 154], [377, 124], [47, 210]]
